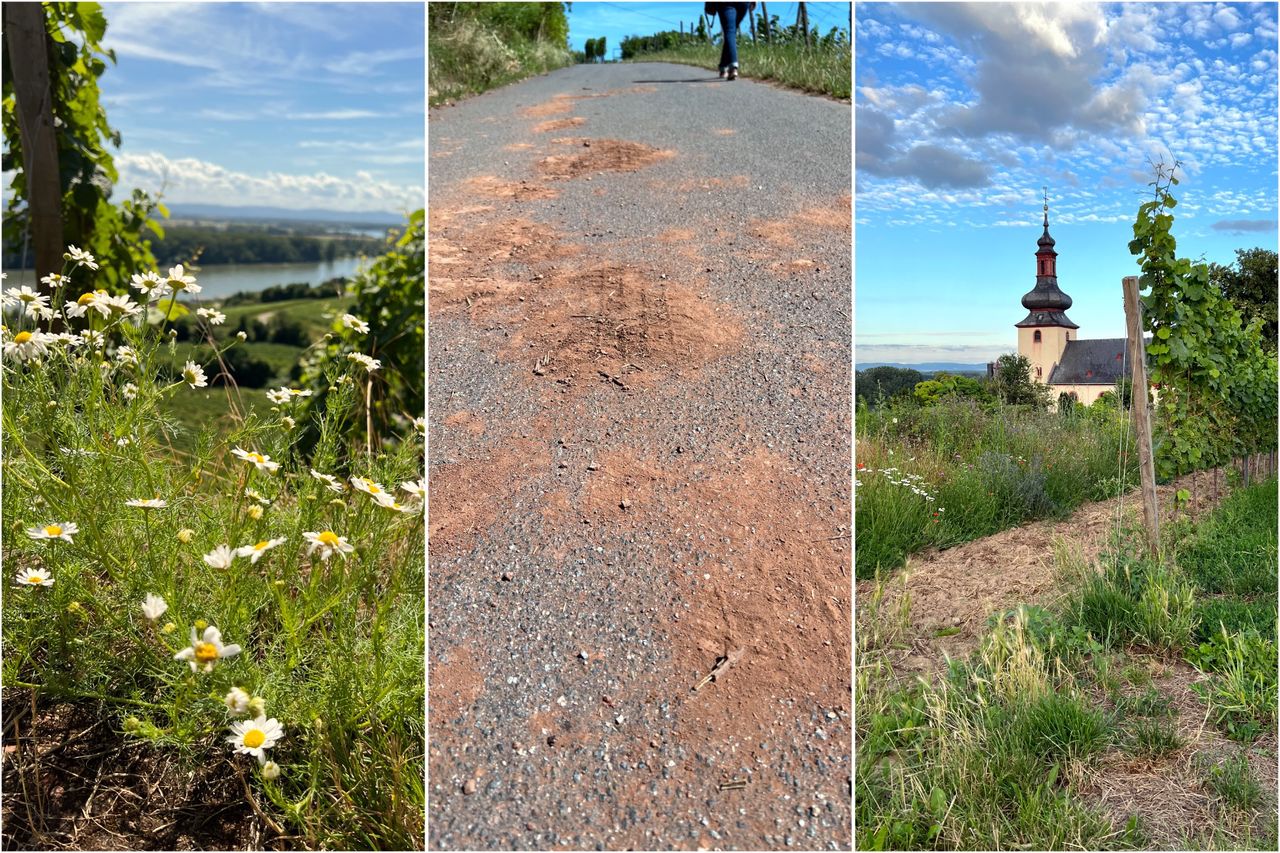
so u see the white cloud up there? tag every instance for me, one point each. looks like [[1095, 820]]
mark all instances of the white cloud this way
[[189, 180]]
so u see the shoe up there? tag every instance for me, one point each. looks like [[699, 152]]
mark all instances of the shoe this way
[[733, 74], [722, 73]]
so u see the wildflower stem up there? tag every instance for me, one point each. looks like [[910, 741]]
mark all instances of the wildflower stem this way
[[85, 694]]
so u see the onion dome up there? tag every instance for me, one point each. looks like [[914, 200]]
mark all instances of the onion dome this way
[[1046, 303]]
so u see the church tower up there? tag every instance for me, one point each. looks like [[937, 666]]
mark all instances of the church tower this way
[[1043, 334]]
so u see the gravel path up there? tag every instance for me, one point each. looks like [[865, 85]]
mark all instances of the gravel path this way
[[640, 464]]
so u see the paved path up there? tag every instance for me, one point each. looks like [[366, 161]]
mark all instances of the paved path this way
[[639, 425]]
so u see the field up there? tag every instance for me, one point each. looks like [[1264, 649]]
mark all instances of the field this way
[[824, 72], [1052, 687]]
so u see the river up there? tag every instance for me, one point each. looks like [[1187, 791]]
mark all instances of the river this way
[[218, 281]]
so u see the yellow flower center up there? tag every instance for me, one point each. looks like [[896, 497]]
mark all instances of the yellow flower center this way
[[21, 337], [53, 530], [206, 652], [254, 738], [329, 538], [35, 579], [86, 298], [372, 487], [189, 375], [261, 545], [256, 457]]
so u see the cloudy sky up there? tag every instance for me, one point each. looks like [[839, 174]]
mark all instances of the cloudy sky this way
[[279, 104], [963, 113]]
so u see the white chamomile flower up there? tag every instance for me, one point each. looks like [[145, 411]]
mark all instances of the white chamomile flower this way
[[220, 557], [20, 295], [206, 650], [289, 423], [350, 321], [329, 544], [270, 770], [369, 487], [127, 355], [370, 364], [260, 461], [147, 503], [75, 309], [26, 346], [151, 285], [129, 391], [154, 606], [253, 737], [34, 577], [193, 375], [420, 425], [70, 339], [214, 316], [94, 338], [285, 394], [387, 501], [237, 701], [258, 496], [81, 257], [254, 552], [417, 488], [179, 281], [55, 530], [331, 483]]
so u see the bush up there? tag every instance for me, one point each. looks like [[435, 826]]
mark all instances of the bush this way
[[1059, 727]]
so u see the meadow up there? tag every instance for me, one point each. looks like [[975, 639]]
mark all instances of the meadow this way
[[236, 592], [958, 470], [1134, 709]]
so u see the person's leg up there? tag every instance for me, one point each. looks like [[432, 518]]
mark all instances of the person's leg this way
[[729, 26], [725, 13]]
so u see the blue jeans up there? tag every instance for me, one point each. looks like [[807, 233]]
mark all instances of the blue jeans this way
[[731, 15]]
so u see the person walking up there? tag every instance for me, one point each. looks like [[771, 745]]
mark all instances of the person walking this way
[[731, 15]]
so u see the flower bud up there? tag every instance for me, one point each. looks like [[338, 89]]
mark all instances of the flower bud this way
[[185, 535]]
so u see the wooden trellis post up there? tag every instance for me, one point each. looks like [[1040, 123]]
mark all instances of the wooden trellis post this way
[[1141, 412]]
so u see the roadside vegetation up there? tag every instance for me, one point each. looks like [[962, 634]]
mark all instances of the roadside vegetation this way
[[475, 47], [1013, 746], [812, 61]]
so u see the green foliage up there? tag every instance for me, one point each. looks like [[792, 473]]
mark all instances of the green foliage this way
[[1233, 780], [1250, 285], [1232, 615], [876, 385], [946, 385], [242, 245], [389, 296], [1153, 738], [1242, 695], [1059, 726], [115, 234], [825, 68], [1013, 384], [476, 47], [1217, 383], [1234, 552]]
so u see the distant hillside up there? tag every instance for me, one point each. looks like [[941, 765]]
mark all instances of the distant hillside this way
[[930, 366], [251, 212]]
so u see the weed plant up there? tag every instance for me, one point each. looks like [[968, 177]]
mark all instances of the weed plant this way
[[824, 71], [237, 602], [1233, 781], [985, 467]]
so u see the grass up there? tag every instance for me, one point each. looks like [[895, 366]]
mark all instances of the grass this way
[[470, 55], [990, 755], [821, 71], [940, 475], [331, 643], [315, 314]]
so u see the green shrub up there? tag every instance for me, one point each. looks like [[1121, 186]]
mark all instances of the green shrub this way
[[1242, 693]]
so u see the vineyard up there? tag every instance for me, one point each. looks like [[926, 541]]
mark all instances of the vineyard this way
[[1030, 670]]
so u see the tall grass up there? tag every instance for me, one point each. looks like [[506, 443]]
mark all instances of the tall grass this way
[[472, 49], [824, 71], [986, 467]]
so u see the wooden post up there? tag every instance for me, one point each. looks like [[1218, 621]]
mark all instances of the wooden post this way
[[1141, 414], [764, 20], [802, 21], [26, 39]]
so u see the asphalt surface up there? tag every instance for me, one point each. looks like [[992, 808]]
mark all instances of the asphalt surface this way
[[639, 416]]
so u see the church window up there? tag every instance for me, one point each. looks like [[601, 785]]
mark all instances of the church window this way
[[1039, 370], [1037, 337]]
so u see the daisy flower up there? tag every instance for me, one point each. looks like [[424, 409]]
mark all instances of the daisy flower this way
[[260, 461], [129, 391], [215, 317], [369, 487], [417, 488], [271, 770], [25, 346], [147, 503], [350, 321], [329, 544], [127, 355], [115, 306], [206, 650], [257, 496], [220, 557], [179, 281], [255, 552], [386, 501], [237, 701], [420, 425], [80, 256], [252, 737], [55, 530], [193, 375], [24, 295], [34, 577], [370, 364], [331, 483], [153, 606], [151, 285], [284, 394]]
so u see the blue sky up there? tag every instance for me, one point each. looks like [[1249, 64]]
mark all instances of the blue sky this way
[[615, 21], [963, 113], [283, 104]]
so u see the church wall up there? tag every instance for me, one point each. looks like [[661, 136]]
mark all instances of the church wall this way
[[1086, 394], [1044, 356]]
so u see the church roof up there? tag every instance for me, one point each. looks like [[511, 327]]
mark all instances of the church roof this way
[[1094, 362]]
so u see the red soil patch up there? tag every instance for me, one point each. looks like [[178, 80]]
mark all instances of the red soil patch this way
[[493, 187], [558, 105], [736, 182], [724, 131], [601, 155], [464, 420], [464, 259], [466, 496], [558, 124], [802, 227], [455, 684], [616, 323], [518, 146]]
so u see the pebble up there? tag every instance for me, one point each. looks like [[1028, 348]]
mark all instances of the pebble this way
[[469, 786]]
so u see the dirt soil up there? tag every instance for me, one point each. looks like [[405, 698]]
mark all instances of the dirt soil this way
[[73, 782], [640, 558]]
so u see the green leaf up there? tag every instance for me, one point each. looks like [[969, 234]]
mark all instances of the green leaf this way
[[1163, 333]]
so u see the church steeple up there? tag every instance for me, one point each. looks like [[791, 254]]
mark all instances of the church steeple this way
[[1045, 303]]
